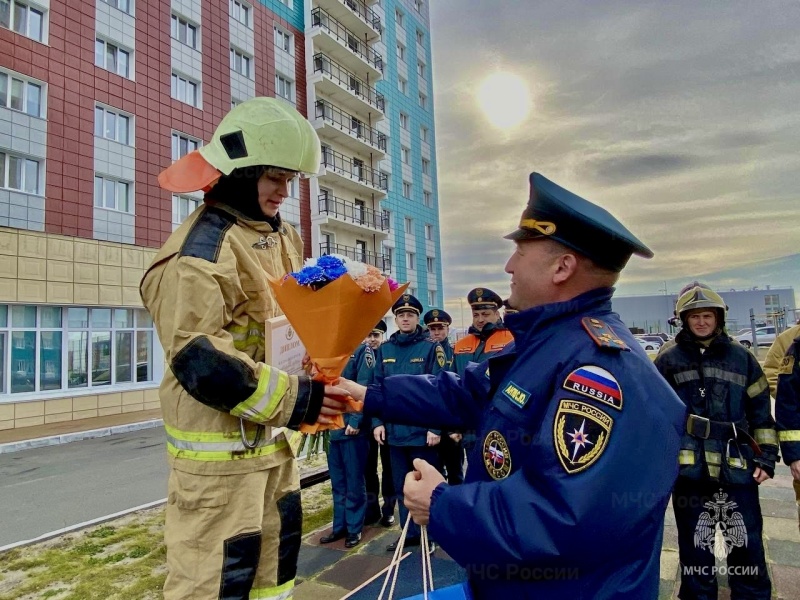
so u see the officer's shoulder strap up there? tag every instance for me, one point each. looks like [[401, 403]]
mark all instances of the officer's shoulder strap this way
[[205, 238], [602, 334]]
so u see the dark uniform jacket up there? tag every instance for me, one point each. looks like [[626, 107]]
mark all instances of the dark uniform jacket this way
[[408, 354], [477, 346], [723, 387], [359, 368], [787, 403], [448, 352], [578, 438]]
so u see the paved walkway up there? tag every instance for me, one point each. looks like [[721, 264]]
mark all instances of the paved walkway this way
[[330, 572]]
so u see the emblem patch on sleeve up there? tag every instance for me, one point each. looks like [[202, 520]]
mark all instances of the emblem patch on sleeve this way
[[516, 394], [597, 383], [787, 365], [369, 357], [496, 455], [580, 434], [441, 359]]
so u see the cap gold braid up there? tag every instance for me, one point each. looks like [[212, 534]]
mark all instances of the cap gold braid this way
[[543, 227]]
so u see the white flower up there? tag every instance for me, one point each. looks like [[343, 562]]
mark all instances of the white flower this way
[[310, 262], [355, 268]]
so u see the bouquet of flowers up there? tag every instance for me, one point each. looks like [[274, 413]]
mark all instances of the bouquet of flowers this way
[[333, 303]]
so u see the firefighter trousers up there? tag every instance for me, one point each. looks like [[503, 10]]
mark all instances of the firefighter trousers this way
[[724, 521], [233, 537]]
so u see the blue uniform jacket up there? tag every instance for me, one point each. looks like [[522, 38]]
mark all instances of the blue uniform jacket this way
[[787, 403], [408, 354], [360, 369], [578, 439]]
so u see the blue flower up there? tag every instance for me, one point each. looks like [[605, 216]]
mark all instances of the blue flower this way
[[310, 276], [332, 266]]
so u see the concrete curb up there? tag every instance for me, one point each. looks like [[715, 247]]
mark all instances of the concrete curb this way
[[77, 436]]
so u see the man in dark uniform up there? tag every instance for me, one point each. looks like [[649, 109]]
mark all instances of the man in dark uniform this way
[[408, 351], [578, 434], [451, 450], [787, 409], [729, 447], [486, 336], [361, 368]]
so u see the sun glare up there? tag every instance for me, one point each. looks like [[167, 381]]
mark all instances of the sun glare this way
[[504, 99]]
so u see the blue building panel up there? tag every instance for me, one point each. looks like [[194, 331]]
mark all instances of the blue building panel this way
[[293, 13]]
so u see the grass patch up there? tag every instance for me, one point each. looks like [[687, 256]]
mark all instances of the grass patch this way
[[121, 560]]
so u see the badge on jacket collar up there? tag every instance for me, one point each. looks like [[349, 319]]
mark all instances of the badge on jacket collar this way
[[594, 382], [265, 242], [496, 455], [580, 434]]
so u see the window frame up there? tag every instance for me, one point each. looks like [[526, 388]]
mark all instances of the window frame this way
[[192, 203], [27, 83], [117, 115], [408, 226], [24, 30], [118, 51], [429, 232], [175, 84], [175, 144], [5, 172], [243, 8], [411, 261], [116, 3], [103, 180], [245, 62], [407, 190], [281, 81], [176, 23], [286, 38]]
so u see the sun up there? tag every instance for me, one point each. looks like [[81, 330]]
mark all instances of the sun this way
[[504, 98]]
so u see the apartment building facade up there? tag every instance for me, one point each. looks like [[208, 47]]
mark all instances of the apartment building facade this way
[[96, 98]]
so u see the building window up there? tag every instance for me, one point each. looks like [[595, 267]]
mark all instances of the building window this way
[[111, 125], [428, 231], [423, 134], [427, 198], [426, 166], [421, 69], [283, 40], [409, 225], [21, 18], [184, 32], [19, 173], [418, 5], [431, 297], [182, 207], [123, 5], [398, 17], [401, 52], [182, 145], [423, 101], [430, 264], [112, 58], [53, 348], [389, 253], [240, 12], [411, 260], [112, 194], [284, 88], [404, 121], [402, 85], [420, 37], [241, 63], [286, 3], [20, 94], [386, 177], [406, 190], [405, 155], [185, 90]]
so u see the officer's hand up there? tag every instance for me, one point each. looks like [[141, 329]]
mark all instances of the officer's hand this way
[[760, 475], [418, 488], [306, 363], [379, 433], [333, 404], [456, 437], [349, 430], [795, 467], [433, 439], [356, 390]]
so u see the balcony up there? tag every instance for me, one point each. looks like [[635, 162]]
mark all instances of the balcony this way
[[355, 15], [353, 216], [346, 88], [351, 173], [348, 130], [366, 256], [333, 38]]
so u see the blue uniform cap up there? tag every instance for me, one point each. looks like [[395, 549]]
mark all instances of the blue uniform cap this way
[[481, 298], [437, 315], [380, 327], [558, 214], [407, 302]]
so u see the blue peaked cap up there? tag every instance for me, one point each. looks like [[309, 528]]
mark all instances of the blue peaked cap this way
[[557, 214]]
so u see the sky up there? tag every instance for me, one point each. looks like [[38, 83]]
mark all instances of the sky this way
[[681, 118]]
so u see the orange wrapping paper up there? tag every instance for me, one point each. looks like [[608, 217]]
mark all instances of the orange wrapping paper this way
[[331, 323]]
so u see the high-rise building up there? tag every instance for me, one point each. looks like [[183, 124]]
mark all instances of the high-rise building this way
[[98, 96]]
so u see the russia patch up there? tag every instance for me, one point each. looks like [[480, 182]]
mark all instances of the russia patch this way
[[594, 382], [516, 394]]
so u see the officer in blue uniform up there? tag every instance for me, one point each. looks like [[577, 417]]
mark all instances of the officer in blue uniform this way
[[787, 412], [451, 449], [486, 336], [578, 434], [361, 368], [408, 351]]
